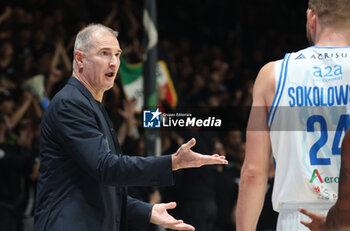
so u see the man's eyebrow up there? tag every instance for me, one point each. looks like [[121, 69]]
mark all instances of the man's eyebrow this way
[[109, 49]]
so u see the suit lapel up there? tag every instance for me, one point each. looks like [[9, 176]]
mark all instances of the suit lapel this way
[[106, 123]]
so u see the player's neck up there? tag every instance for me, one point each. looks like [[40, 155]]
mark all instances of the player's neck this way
[[330, 37]]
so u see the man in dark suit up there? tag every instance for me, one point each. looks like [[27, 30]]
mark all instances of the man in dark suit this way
[[83, 174]]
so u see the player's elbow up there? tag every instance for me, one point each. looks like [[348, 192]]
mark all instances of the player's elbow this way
[[253, 174]]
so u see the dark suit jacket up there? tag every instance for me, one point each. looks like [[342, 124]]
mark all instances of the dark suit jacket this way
[[83, 174]]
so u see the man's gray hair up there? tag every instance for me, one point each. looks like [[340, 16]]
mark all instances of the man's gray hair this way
[[83, 40]]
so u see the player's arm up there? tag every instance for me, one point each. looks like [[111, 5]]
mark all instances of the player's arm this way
[[254, 173], [339, 215]]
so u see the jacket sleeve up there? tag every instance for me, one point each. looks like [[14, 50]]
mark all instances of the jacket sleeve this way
[[79, 135], [139, 213]]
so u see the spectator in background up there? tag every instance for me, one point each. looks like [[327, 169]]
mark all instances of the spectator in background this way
[[6, 14], [17, 165], [226, 188], [5, 18], [198, 206], [12, 113], [128, 130], [146, 194], [232, 142], [170, 141], [50, 78], [31, 129], [7, 66]]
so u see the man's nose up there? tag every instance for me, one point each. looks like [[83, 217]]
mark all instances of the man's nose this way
[[114, 61]]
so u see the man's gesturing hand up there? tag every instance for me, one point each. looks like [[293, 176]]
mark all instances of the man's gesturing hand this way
[[186, 158], [161, 217]]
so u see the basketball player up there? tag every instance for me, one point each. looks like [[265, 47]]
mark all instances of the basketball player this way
[[338, 217], [300, 114]]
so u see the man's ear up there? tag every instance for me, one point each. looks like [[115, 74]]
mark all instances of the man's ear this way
[[79, 58], [311, 19]]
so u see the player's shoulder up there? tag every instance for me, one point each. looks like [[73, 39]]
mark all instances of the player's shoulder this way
[[268, 71], [264, 86], [266, 75]]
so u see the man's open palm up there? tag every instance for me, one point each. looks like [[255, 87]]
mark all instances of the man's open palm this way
[[186, 158], [161, 217]]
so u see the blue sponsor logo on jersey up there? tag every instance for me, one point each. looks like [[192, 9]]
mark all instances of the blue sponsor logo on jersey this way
[[328, 72], [323, 56], [331, 55], [301, 56]]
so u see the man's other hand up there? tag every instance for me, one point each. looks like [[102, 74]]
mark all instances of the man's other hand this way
[[186, 158], [161, 217]]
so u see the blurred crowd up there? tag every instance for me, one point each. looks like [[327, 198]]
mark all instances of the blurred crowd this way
[[214, 50]]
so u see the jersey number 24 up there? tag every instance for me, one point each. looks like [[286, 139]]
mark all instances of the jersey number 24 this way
[[342, 126]]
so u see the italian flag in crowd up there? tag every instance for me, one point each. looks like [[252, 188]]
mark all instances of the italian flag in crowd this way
[[132, 80]]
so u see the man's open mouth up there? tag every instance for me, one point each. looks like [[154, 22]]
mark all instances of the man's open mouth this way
[[110, 74]]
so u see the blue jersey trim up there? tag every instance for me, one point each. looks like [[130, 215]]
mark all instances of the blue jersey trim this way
[[284, 82], [330, 47], [277, 91]]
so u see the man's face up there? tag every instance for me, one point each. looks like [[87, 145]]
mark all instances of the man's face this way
[[102, 61]]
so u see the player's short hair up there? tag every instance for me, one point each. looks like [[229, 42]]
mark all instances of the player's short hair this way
[[331, 12], [83, 40]]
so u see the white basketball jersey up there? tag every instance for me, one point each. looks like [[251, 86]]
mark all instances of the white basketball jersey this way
[[308, 120]]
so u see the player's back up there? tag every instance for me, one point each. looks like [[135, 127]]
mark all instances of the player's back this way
[[308, 119]]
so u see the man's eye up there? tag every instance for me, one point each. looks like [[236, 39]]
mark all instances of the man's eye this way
[[104, 53]]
